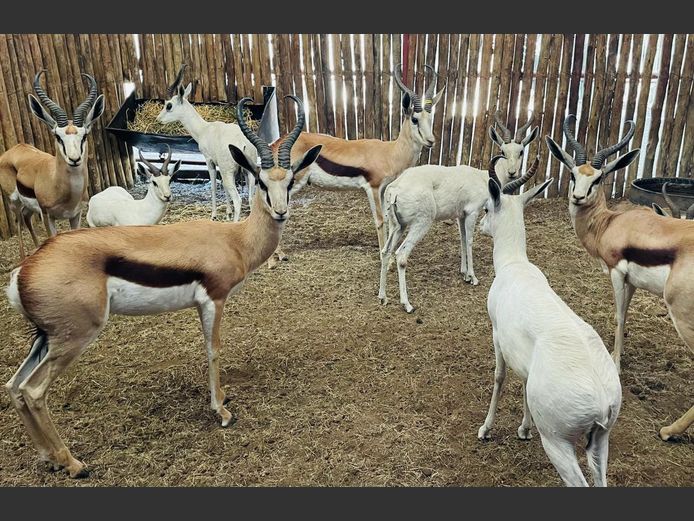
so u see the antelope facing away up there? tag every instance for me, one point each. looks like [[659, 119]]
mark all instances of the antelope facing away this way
[[365, 164], [51, 186], [571, 387], [213, 139], [637, 247], [71, 285], [116, 207], [428, 193]]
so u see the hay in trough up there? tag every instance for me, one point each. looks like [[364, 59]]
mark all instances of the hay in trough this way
[[146, 118]]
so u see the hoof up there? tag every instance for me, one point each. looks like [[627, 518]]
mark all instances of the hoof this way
[[524, 434], [664, 435], [383, 300], [483, 433], [78, 471], [408, 308], [227, 418]]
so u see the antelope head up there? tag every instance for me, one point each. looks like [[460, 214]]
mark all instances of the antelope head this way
[[586, 177], [512, 149], [177, 105], [419, 113], [160, 178], [675, 210], [512, 208], [275, 176], [70, 134]]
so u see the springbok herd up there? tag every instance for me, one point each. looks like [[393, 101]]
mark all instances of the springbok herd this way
[[126, 263]]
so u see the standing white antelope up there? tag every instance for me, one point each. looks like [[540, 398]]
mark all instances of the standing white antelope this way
[[570, 385], [429, 193], [71, 285], [116, 207], [512, 149], [637, 247], [51, 186], [213, 139]]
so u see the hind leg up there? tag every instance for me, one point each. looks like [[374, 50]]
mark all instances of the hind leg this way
[[394, 235], [20, 235], [468, 226], [212, 169], [563, 456], [229, 183], [527, 423], [499, 378], [678, 428], [597, 456], [416, 233], [28, 221], [250, 182]]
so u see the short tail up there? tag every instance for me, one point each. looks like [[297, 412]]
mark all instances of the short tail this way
[[382, 190], [598, 426], [38, 351]]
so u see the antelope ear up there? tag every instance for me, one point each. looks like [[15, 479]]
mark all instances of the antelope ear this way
[[142, 172], [621, 162], [177, 166], [560, 153], [307, 159], [495, 136], [658, 209], [531, 194], [437, 98], [95, 112], [407, 103], [189, 89], [495, 193], [243, 161], [530, 137], [40, 112]]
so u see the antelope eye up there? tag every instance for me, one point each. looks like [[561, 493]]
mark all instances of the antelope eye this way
[[415, 121], [169, 106]]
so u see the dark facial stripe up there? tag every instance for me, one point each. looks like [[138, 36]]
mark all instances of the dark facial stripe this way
[[25, 190], [655, 257], [149, 274], [340, 170]]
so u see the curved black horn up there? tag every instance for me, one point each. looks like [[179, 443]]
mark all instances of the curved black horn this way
[[431, 89], [505, 132], [56, 110], [153, 169], [416, 100], [266, 159], [575, 145], [603, 154], [285, 148], [84, 107], [511, 187], [177, 81], [520, 133], [673, 207], [492, 170]]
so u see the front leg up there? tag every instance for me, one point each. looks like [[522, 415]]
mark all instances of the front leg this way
[[619, 286], [210, 313], [49, 223], [679, 426], [469, 224], [212, 169], [231, 192], [76, 220], [375, 205]]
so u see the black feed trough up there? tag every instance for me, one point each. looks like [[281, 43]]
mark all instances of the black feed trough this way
[[648, 191]]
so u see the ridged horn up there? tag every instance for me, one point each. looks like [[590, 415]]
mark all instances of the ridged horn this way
[[177, 81], [431, 90], [56, 110], [167, 160], [83, 109], [513, 185], [603, 154], [416, 100], [492, 170], [580, 158], [285, 148], [153, 169], [520, 133], [266, 159], [505, 132], [671, 204]]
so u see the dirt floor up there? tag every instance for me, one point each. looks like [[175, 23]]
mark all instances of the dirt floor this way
[[328, 387]]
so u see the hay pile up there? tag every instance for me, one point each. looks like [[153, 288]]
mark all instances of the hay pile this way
[[146, 118]]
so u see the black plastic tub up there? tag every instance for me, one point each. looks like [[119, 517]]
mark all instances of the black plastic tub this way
[[648, 191]]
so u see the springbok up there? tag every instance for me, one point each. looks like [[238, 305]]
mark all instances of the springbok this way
[[571, 387], [213, 139], [51, 186], [637, 247], [116, 207], [512, 148], [366, 164], [428, 193], [675, 210], [71, 285]]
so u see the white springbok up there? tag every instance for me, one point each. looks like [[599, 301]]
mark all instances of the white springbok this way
[[71, 285], [429, 193], [637, 247], [51, 186], [213, 139], [570, 386], [512, 149], [116, 207]]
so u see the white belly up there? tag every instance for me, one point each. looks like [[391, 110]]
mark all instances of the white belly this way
[[649, 278], [128, 298], [320, 178]]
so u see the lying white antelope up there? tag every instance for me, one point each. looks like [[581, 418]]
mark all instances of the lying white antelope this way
[[116, 207], [429, 193], [637, 247], [71, 285], [571, 386], [213, 139], [51, 186]]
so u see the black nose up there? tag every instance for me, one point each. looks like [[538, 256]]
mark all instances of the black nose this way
[[280, 213]]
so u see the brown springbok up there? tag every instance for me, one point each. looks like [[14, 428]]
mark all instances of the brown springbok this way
[[68, 288], [637, 247], [51, 186], [366, 164]]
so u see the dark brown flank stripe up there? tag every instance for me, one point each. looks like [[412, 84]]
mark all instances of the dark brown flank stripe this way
[[644, 257], [150, 275], [25, 190], [337, 169]]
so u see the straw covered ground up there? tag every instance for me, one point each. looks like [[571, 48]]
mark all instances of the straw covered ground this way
[[328, 387]]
